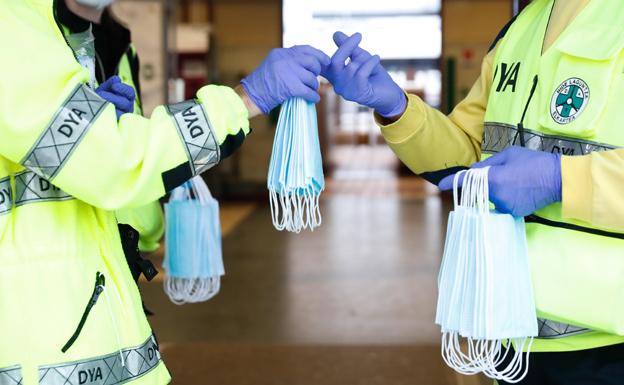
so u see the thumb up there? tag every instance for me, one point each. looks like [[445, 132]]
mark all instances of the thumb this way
[[494, 160], [446, 184]]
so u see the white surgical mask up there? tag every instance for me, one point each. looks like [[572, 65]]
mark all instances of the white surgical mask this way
[[485, 292], [99, 4]]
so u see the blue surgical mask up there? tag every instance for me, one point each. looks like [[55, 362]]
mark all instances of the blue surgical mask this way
[[193, 256], [295, 179]]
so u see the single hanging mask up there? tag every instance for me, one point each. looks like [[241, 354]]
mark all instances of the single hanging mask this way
[[295, 179], [83, 45], [193, 256], [486, 307]]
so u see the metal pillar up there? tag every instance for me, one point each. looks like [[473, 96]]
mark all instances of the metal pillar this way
[[518, 5]]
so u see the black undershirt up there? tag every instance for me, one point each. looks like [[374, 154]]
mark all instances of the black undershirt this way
[[112, 40]]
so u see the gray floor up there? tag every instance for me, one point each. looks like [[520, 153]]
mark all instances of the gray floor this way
[[351, 303], [367, 276]]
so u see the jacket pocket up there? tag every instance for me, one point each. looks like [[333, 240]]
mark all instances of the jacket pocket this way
[[582, 81], [100, 282]]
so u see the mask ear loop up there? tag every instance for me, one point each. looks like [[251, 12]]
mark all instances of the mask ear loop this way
[[518, 368], [491, 349], [451, 348], [472, 198], [479, 350], [453, 355], [475, 351], [456, 188]]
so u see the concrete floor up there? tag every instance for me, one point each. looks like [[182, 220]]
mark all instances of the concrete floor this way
[[351, 303]]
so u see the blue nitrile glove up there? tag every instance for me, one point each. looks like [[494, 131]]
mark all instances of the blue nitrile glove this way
[[363, 80], [521, 181], [286, 73], [119, 94]]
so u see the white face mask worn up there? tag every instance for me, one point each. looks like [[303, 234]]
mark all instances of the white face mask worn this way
[[97, 4], [485, 294]]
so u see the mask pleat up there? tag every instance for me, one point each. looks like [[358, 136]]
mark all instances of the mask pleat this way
[[295, 180]]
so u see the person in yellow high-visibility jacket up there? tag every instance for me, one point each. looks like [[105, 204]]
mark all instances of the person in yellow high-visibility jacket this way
[[70, 157], [547, 108], [140, 228]]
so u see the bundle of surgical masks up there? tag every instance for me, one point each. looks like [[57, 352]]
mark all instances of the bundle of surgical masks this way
[[193, 257], [295, 178], [485, 307]]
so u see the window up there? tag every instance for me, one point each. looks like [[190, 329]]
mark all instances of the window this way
[[407, 35]]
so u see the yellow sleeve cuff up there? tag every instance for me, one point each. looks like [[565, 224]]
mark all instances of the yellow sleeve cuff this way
[[576, 187], [226, 111], [410, 123]]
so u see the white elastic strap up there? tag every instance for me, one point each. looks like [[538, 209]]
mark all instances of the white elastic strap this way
[[112, 317], [201, 190], [295, 211], [191, 290], [482, 355]]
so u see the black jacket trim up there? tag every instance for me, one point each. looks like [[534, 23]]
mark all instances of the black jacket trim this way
[[436, 176], [502, 33]]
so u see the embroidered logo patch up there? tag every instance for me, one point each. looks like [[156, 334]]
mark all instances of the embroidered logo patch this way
[[569, 100]]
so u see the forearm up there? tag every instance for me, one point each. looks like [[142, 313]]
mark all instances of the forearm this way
[[593, 187], [252, 108], [427, 140]]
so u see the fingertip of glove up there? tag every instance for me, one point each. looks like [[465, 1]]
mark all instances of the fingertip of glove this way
[[445, 184], [339, 37]]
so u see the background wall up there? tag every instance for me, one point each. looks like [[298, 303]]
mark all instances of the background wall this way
[[244, 31], [468, 29]]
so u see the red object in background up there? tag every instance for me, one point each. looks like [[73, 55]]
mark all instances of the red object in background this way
[[193, 69], [467, 54]]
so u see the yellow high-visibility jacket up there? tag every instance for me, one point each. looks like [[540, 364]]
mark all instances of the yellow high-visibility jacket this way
[[69, 307], [554, 45]]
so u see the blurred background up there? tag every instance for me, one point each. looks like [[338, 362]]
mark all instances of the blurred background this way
[[354, 301]]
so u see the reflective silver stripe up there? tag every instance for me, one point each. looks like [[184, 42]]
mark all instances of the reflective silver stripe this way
[[551, 329], [195, 130], [104, 370], [11, 375], [498, 136], [30, 188], [6, 199], [64, 133]]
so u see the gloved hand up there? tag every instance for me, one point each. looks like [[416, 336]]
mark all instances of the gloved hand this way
[[521, 181], [119, 94], [363, 80], [286, 73]]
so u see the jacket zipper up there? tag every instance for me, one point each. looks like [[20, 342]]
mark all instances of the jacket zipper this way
[[569, 226], [97, 290]]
